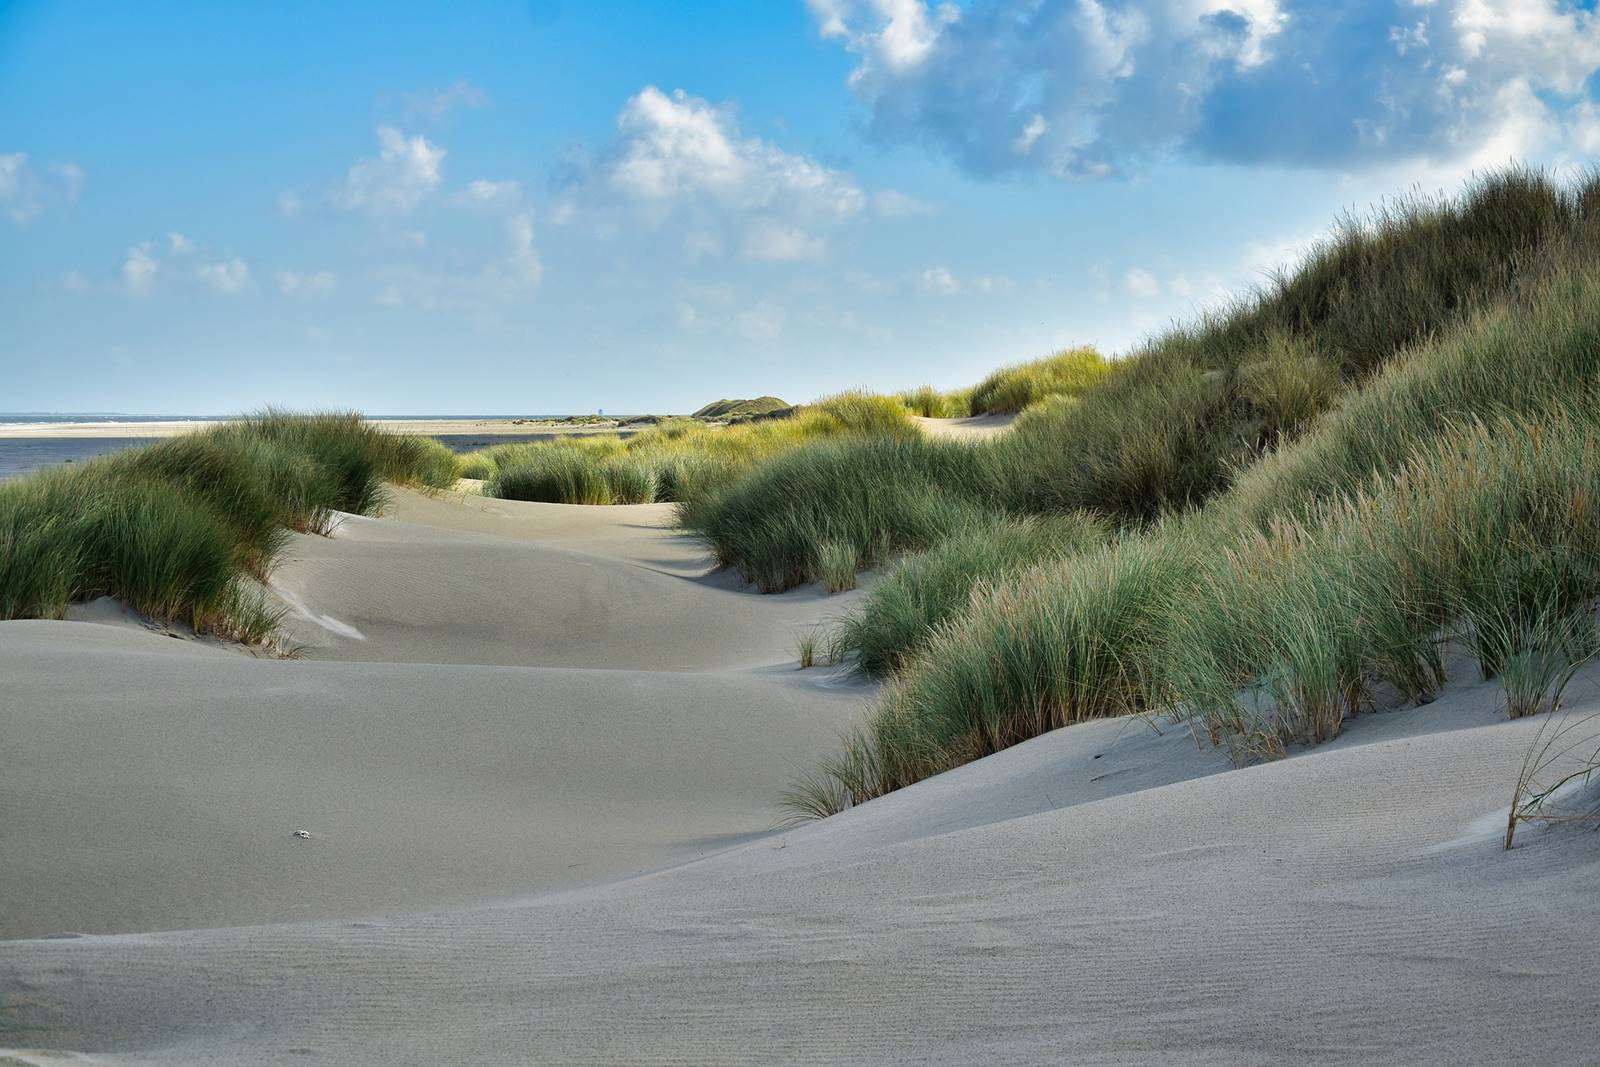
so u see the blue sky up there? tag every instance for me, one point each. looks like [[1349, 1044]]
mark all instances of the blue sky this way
[[558, 206]]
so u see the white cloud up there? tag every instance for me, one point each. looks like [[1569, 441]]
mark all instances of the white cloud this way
[[178, 244], [436, 104], [314, 283], [939, 280], [225, 276], [893, 204], [682, 162], [484, 193], [71, 177], [1088, 87], [776, 242], [897, 35], [399, 178], [681, 147], [510, 277], [139, 269], [1141, 283], [761, 323], [25, 194], [522, 259]]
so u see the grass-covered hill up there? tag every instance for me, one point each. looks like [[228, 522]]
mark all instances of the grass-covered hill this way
[[186, 530], [736, 409], [1264, 522], [1257, 521]]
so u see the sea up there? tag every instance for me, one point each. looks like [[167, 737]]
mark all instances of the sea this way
[[23, 455]]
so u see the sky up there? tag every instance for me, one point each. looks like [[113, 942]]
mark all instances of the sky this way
[[557, 206]]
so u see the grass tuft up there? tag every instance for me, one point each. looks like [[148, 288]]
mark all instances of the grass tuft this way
[[179, 529]]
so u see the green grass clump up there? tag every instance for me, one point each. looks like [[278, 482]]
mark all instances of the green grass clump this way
[[924, 590], [679, 460], [929, 403], [837, 563], [631, 479], [1064, 642], [1007, 391], [878, 496], [1177, 418], [182, 530], [1482, 536], [554, 473], [1389, 451]]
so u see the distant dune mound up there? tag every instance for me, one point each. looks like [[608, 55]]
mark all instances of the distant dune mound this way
[[734, 409]]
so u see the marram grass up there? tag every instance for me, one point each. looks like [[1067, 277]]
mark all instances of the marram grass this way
[[183, 530], [1393, 449]]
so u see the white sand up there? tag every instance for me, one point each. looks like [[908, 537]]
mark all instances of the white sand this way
[[155, 783], [973, 427], [1102, 894]]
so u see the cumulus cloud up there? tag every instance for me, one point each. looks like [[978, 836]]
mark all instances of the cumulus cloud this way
[[225, 276], [25, 192], [395, 181], [1088, 87], [679, 146], [178, 244], [678, 157]]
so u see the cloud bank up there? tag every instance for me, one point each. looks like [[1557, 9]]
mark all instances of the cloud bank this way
[[1092, 87]]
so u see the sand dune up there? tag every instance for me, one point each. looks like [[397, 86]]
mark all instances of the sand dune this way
[[156, 784], [153, 784], [504, 582], [1348, 905], [483, 793]]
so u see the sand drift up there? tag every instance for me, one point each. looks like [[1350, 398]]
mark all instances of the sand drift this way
[[536, 750]]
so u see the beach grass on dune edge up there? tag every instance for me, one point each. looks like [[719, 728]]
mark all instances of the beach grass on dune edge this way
[[1388, 451], [187, 530]]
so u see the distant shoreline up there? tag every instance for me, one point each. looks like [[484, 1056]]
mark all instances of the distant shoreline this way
[[508, 427]]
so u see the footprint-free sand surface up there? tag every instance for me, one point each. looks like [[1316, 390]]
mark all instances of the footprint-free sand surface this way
[[526, 851]]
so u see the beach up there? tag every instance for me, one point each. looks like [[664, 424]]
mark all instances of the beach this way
[[31, 446], [540, 826]]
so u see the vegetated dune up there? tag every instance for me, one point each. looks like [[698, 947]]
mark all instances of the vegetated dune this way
[[1098, 894], [725, 409]]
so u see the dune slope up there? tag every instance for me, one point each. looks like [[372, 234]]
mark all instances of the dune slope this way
[[515, 862], [1347, 905], [479, 714]]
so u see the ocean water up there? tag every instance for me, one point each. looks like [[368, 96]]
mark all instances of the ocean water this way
[[23, 455]]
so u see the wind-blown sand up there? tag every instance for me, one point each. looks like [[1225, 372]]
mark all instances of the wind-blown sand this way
[[1105, 893]]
